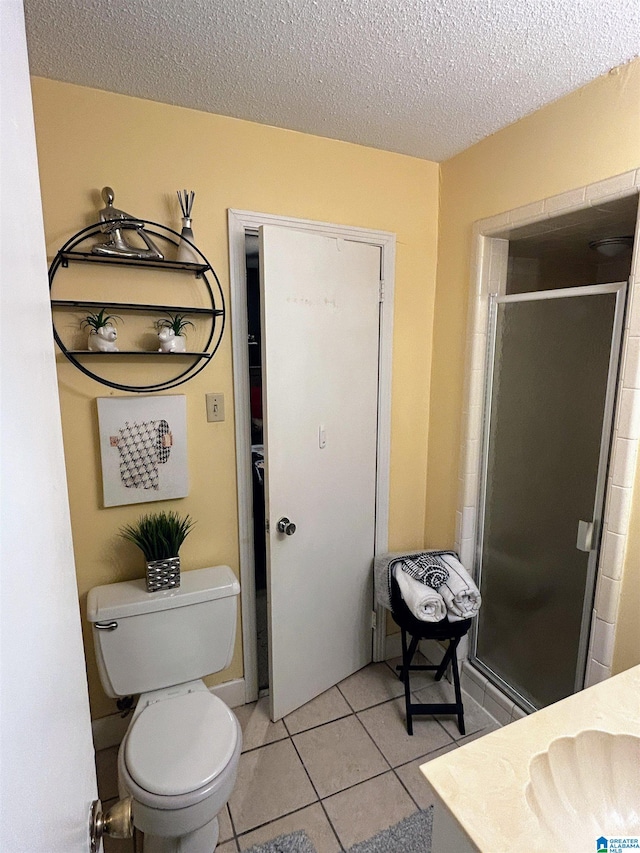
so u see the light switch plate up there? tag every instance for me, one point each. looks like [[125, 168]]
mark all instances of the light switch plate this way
[[215, 407]]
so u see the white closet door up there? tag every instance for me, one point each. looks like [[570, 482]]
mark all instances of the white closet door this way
[[320, 306]]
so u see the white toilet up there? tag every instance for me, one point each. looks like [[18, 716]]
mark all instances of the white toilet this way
[[179, 757]]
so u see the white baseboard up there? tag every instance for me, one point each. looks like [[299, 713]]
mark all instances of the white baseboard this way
[[109, 731], [231, 692], [392, 646]]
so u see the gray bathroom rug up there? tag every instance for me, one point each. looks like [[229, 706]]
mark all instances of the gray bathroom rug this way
[[296, 842], [411, 835]]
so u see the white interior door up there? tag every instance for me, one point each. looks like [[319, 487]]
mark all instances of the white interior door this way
[[48, 777], [320, 328]]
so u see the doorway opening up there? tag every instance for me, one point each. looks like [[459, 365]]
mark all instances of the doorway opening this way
[[553, 340], [243, 228], [254, 359]]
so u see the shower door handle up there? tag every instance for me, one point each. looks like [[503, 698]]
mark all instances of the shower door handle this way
[[584, 541]]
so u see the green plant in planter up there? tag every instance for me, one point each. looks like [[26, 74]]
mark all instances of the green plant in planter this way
[[176, 322], [99, 320], [158, 535]]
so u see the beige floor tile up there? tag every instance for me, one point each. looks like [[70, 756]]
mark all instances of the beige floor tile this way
[[312, 819], [386, 725], [414, 781], [117, 845], [338, 755], [107, 772], [471, 687], [369, 686], [329, 706], [435, 691], [224, 821], [271, 783], [229, 847], [366, 809], [418, 680], [476, 719], [257, 728]]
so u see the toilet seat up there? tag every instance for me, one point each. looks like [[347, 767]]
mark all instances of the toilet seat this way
[[180, 744]]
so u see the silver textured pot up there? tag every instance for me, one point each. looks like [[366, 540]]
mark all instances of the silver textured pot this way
[[163, 574]]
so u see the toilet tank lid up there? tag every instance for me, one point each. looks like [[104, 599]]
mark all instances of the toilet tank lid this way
[[130, 598]]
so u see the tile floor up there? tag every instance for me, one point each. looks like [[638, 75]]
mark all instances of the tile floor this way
[[341, 767]]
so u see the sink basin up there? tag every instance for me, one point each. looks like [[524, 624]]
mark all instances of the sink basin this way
[[585, 787]]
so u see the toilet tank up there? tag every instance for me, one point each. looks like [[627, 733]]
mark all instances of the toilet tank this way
[[146, 641]]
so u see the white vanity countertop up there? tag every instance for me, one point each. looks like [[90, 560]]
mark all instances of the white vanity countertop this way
[[483, 783]]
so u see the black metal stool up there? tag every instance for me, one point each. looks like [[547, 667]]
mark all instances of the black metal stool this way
[[444, 630]]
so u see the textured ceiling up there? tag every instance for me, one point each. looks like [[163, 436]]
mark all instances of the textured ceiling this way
[[421, 77]]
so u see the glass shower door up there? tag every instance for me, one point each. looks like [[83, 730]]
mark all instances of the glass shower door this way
[[547, 439]]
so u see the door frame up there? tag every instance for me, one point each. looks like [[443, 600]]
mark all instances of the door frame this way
[[488, 277], [240, 222]]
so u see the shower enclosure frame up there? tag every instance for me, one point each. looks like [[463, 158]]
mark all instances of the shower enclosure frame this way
[[488, 275], [495, 300]]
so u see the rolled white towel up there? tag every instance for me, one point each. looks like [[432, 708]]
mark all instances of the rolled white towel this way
[[459, 592], [425, 603], [383, 570]]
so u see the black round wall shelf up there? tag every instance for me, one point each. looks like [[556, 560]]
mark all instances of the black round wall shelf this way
[[211, 310]]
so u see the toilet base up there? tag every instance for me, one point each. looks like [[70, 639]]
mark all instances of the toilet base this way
[[203, 840], [180, 823]]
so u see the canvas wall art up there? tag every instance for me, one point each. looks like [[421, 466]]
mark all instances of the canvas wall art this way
[[143, 445]]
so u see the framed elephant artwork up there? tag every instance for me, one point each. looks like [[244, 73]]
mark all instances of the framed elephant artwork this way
[[143, 447]]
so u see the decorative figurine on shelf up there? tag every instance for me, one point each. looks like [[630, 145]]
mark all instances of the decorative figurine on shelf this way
[[171, 333], [103, 334], [115, 223], [186, 254]]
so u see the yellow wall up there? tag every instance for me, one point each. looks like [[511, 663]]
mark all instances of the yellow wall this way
[[145, 150], [88, 139], [589, 135], [627, 642]]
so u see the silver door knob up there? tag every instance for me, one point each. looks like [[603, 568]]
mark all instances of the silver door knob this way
[[286, 526], [116, 823]]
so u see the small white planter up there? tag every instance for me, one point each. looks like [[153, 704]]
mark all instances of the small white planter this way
[[170, 342], [103, 339]]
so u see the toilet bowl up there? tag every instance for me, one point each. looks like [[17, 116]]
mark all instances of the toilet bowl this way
[[179, 757], [179, 761]]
